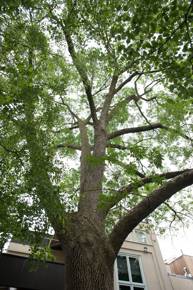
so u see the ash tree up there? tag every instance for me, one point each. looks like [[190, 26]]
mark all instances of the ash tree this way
[[96, 124]]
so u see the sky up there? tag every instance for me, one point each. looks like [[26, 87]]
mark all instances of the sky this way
[[175, 244]]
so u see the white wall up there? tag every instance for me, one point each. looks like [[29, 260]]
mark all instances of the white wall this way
[[181, 282]]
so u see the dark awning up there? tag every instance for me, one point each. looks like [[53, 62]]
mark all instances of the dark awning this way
[[15, 272]]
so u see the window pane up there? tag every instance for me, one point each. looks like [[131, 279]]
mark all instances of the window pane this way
[[135, 270], [138, 288], [123, 287], [141, 237], [122, 269]]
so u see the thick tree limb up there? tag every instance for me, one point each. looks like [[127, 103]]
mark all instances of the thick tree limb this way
[[136, 130], [126, 190], [146, 128], [147, 206]]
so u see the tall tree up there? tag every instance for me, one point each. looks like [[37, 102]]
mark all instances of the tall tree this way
[[96, 102]]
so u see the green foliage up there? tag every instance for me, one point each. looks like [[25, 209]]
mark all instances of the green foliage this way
[[39, 83], [41, 254]]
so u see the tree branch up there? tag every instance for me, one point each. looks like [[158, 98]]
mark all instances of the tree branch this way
[[69, 109], [147, 206], [78, 147], [82, 72], [144, 129], [136, 97], [126, 190], [136, 130], [103, 87], [176, 214], [123, 132], [113, 90], [78, 64], [146, 90], [70, 146], [126, 81], [121, 103], [117, 146], [108, 99], [137, 105]]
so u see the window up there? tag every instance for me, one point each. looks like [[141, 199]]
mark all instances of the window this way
[[129, 273], [141, 237]]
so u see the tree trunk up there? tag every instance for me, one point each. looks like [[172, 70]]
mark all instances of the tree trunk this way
[[88, 258]]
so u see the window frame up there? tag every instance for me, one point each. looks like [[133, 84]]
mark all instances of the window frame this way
[[130, 283], [139, 239]]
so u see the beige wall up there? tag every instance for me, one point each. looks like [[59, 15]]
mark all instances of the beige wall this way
[[24, 251], [18, 249], [181, 283], [156, 277]]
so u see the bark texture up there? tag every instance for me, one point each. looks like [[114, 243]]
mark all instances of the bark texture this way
[[88, 256]]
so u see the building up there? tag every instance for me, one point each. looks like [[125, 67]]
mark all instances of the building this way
[[141, 256], [139, 266], [180, 271], [182, 265]]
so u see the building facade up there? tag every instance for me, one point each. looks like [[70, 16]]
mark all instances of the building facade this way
[[180, 271], [139, 266], [182, 265]]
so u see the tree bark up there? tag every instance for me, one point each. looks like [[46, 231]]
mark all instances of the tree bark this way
[[88, 256], [86, 270], [134, 216]]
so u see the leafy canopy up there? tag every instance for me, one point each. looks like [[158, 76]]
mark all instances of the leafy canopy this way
[[50, 52]]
